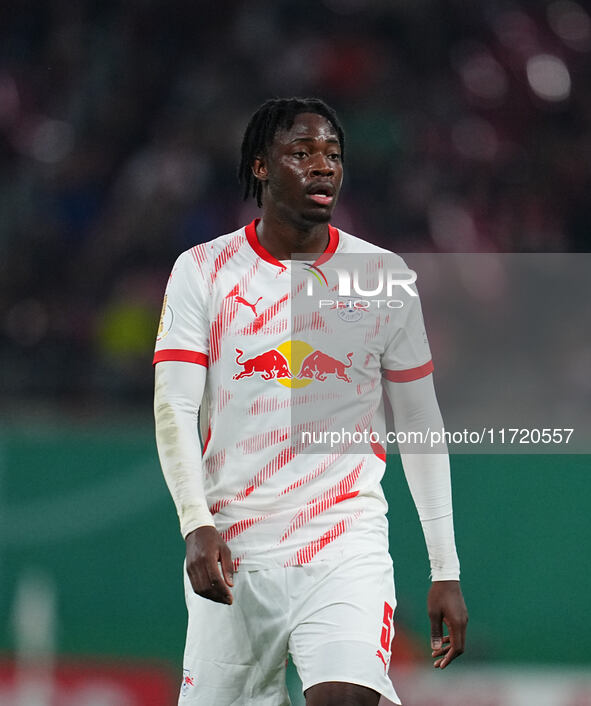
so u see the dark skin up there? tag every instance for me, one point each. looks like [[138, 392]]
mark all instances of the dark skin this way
[[301, 174], [300, 159]]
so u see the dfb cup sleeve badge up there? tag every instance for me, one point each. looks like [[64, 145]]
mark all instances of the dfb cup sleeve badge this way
[[166, 319]]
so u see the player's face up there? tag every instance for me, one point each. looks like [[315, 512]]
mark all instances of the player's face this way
[[303, 171]]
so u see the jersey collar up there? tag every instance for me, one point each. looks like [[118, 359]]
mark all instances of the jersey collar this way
[[253, 241]]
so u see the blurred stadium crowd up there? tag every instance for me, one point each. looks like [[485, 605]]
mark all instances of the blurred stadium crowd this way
[[467, 129]]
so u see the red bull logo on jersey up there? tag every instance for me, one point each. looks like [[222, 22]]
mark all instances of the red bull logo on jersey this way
[[318, 365], [270, 364], [293, 364]]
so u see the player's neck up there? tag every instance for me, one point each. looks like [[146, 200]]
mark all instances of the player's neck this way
[[281, 239]]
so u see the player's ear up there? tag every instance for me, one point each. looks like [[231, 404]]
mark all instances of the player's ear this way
[[259, 168]]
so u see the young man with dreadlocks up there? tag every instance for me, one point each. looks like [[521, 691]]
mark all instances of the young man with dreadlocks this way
[[287, 551]]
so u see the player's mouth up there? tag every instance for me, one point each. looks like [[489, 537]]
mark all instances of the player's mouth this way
[[321, 193]]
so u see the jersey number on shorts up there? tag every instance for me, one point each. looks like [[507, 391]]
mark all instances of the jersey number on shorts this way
[[387, 627]]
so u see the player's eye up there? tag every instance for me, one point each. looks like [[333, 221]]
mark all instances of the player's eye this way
[[334, 156], [300, 154]]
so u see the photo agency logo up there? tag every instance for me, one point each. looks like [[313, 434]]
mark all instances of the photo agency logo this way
[[357, 291]]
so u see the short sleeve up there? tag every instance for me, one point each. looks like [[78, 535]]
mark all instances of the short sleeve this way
[[407, 355], [183, 332]]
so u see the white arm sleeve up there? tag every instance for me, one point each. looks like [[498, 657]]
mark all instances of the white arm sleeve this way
[[178, 391], [415, 408]]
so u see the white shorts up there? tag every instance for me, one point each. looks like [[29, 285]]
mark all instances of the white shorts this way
[[335, 621]]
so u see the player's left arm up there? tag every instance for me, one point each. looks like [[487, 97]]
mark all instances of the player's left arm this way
[[427, 472]]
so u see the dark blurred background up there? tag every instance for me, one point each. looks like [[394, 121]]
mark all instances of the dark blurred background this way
[[468, 130]]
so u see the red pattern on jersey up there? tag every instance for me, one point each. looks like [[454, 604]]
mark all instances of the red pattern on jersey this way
[[264, 404], [339, 492], [268, 438], [373, 332], [378, 449], [226, 314], [363, 388], [199, 253], [319, 470], [299, 287], [307, 553], [312, 397], [227, 254], [264, 440], [221, 324], [273, 328], [318, 426], [215, 463], [309, 322], [224, 396], [268, 470], [239, 527], [364, 422], [375, 264], [246, 277], [265, 316]]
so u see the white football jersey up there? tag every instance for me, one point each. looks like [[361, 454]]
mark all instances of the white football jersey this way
[[295, 353]]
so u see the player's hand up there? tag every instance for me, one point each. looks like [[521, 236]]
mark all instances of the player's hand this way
[[445, 604], [206, 550]]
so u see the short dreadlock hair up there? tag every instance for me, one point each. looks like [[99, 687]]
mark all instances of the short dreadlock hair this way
[[273, 115]]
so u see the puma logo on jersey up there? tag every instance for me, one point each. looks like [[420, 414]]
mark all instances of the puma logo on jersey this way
[[381, 656], [241, 300]]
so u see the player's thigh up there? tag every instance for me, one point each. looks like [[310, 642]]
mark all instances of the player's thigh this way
[[234, 654], [343, 624], [341, 694]]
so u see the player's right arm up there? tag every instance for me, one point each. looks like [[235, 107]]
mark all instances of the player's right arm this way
[[181, 360], [178, 386]]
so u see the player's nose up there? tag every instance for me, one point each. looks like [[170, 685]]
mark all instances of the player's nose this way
[[321, 166]]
